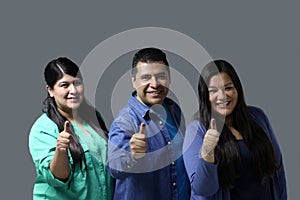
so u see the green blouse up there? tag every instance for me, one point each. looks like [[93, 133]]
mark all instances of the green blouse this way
[[89, 183]]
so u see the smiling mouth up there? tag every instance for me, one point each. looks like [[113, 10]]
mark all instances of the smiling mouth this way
[[73, 98], [223, 104], [155, 93]]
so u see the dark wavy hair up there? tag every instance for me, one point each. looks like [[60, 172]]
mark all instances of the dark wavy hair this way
[[54, 71], [227, 152]]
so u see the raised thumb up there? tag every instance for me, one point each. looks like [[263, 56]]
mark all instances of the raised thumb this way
[[213, 124], [142, 128], [67, 126]]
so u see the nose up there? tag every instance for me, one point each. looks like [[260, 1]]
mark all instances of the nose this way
[[221, 95], [72, 89], [154, 82]]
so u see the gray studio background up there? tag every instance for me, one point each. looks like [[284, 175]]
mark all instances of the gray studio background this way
[[260, 38]]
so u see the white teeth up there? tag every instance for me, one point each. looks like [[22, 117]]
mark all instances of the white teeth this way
[[222, 103], [155, 92]]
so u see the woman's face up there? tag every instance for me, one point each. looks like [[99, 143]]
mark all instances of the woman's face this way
[[68, 93], [223, 95]]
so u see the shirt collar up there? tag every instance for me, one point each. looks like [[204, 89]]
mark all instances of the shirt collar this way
[[143, 109], [139, 107]]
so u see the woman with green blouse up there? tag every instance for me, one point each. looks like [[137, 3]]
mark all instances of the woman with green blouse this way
[[68, 142]]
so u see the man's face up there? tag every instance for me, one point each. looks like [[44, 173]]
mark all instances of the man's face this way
[[151, 82]]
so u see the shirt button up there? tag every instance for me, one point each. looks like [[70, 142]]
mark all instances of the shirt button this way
[[169, 142], [128, 166], [160, 122], [173, 163], [174, 184]]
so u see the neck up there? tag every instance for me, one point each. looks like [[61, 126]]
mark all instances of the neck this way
[[71, 115], [229, 121]]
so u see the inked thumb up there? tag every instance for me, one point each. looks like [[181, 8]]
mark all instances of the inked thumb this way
[[67, 126], [142, 128]]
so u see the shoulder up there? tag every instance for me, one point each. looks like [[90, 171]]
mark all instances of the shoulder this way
[[193, 134], [125, 113], [257, 114], [43, 119], [195, 126], [254, 110], [43, 124], [126, 119]]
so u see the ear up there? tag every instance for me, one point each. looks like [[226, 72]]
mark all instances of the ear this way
[[133, 79], [49, 90]]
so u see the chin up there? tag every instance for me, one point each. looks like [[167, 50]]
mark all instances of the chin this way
[[223, 113], [75, 106], [157, 102]]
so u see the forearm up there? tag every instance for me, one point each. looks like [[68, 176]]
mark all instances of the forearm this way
[[121, 164], [200, 166], [205, 178], [59, 165]]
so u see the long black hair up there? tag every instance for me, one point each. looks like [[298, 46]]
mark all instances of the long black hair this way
[[227, 153], [54, 71]]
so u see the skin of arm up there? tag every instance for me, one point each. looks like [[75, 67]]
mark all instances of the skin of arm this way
[[59, 165]]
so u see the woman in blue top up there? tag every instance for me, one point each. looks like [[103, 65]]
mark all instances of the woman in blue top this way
[[230, 150], [68, 142]]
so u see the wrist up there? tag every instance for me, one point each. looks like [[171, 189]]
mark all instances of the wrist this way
[[208, 157]]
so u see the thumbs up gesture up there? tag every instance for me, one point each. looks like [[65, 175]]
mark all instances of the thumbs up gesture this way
[[210, 141], [138, 143], [64, 138]]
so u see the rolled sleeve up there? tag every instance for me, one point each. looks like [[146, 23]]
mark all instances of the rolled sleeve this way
[[51, 180], [42, 145]]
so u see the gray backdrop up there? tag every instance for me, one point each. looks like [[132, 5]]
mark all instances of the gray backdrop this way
[[261, 39]]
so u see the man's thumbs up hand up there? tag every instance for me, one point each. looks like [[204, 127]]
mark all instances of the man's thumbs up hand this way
[[138, 143]]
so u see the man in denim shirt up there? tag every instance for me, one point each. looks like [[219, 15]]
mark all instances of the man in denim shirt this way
[[145, 138]]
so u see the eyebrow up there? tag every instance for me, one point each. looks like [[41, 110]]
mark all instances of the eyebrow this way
[[149, 74], [144, 75], [161, 73], [62, 82], [227, 84]]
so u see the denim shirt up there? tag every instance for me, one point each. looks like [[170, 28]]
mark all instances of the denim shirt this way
[[204, 176], [154, 175]]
